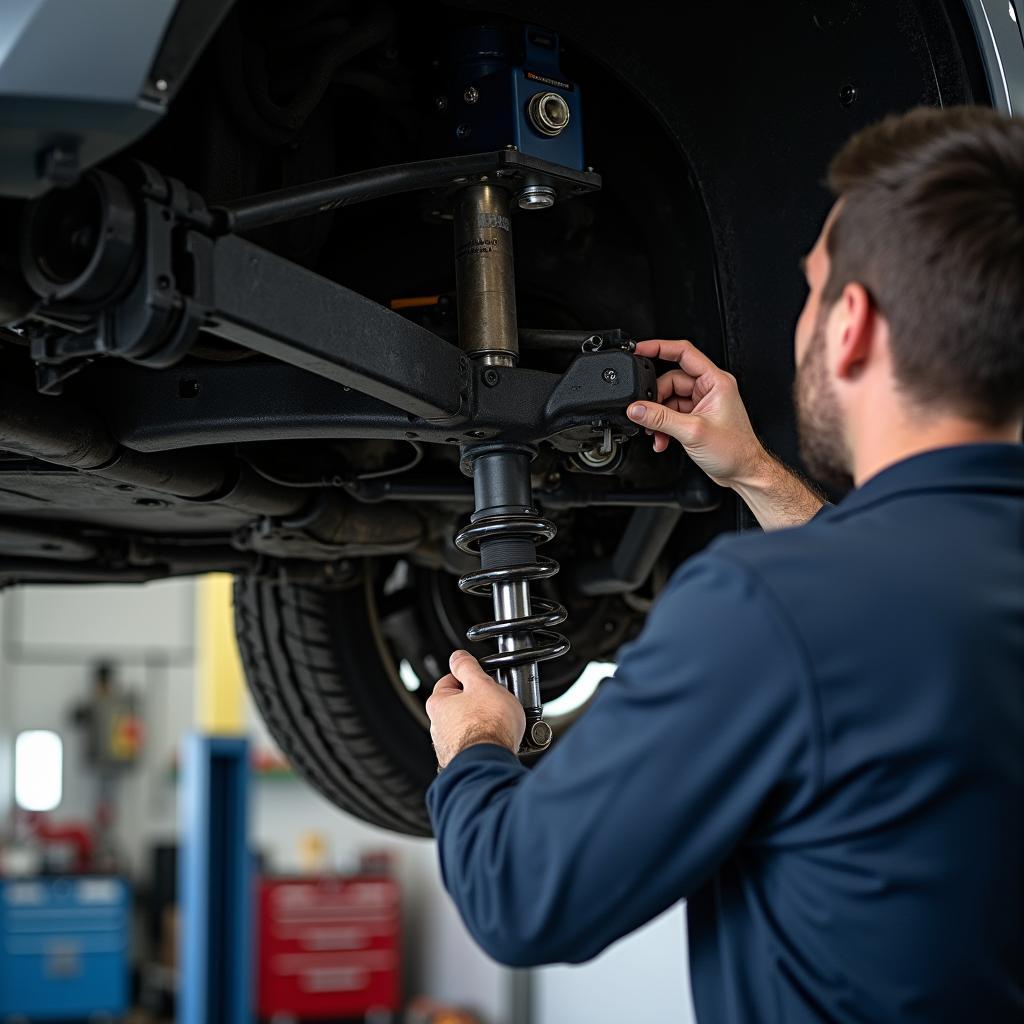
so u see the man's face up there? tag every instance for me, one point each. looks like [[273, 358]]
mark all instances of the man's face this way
[[820, 422]]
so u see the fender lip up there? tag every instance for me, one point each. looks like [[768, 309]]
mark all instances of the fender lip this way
[[999, 31]]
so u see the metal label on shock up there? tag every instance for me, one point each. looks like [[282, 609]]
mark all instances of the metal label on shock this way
[[543, 79], [492, 220]]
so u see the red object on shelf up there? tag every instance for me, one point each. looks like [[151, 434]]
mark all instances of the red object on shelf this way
[[328, 947]]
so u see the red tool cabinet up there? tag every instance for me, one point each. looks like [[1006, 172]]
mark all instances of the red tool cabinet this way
[[328, 947]]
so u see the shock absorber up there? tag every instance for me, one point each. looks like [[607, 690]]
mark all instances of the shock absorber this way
[[505, 528]]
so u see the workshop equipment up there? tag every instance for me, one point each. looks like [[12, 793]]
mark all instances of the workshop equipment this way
[[113, 734], [329, 947], [64, 946]]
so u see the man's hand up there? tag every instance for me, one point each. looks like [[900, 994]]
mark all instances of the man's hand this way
[[468, 706], [699, 405]]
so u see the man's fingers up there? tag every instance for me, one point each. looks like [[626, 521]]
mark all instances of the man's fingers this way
[[681, 404], [685, 353], [446, 686], [657, 417], [675, 382], [467, 670]]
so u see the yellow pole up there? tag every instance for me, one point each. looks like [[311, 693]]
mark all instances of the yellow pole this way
[[220, 682]]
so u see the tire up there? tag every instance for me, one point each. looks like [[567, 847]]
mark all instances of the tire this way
[[328, 671], [318, 679]]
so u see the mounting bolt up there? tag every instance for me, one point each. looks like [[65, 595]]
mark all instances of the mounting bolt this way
[[463, 131], [610, 375], [549, 113], [491, 377], [472, 94], [441, 103], [536, 197]]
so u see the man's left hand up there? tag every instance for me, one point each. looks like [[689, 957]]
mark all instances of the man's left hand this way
[[468, 706]]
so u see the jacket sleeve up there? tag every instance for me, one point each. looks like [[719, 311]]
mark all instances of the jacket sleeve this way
[[704, 726]]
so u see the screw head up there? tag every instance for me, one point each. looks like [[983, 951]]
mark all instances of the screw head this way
[[491, 377], [472, 94], [848, 95], [463, 131], [161, 85], [610, 375], [440, 103]]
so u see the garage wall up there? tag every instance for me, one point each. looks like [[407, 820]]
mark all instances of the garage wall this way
[[51, 637], [644, 977]]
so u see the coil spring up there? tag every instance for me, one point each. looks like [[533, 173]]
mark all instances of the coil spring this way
[[545, 614]]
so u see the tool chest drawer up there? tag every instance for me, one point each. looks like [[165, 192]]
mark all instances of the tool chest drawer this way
[[64, 947], [328, 947]]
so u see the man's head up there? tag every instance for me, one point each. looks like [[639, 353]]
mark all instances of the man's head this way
[[916, 305]]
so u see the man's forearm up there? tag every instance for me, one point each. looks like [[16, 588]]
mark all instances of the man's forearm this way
[[777, 496]]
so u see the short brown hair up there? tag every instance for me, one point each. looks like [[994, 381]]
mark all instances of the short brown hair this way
[[932, 225]]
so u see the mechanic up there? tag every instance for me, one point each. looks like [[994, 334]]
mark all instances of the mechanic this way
[[818, 738]]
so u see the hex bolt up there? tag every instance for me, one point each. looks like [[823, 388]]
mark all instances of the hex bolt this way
[[491, 377], [610, 375], [472, 94]]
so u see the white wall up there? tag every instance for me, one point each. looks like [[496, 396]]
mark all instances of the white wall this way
[[643, 978]]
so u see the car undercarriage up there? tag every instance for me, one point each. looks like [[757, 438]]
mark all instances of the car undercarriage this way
[[354, 320]]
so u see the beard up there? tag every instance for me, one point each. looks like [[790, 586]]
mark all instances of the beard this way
[[823, 446]]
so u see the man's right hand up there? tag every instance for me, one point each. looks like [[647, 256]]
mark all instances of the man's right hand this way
[[699, 405]]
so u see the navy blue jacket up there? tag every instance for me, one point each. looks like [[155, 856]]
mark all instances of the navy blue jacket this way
[[818, 741]]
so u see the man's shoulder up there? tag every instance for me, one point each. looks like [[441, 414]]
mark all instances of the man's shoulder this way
[[793, 553], [788, 568]]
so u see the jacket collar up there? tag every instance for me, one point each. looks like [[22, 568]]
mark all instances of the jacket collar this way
[[969, 467]]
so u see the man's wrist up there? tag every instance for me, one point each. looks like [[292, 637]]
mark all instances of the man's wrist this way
[[470, 738], [759, 474]]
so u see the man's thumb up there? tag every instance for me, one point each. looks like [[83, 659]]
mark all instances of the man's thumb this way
[[653, 416], [467, 669]]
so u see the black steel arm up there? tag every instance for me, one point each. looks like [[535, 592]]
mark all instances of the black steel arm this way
[[276, 307]]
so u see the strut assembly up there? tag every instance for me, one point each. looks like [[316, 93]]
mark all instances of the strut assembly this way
[[505, 528]]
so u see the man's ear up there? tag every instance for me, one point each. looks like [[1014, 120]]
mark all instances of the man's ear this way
[[857, 320]]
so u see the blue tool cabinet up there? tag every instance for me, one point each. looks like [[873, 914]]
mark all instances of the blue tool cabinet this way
[[64, 948]]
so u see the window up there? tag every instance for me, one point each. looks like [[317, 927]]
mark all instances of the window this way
[[38, 770]]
